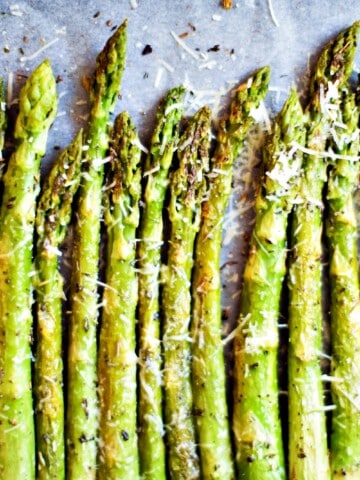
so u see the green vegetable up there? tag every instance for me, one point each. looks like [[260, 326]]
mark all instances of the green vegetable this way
[[52, 218], [210, 409], [37, 108], [256, 419], [341, 233], [187, 187], [118, 456], [163, 143], [82, 408], [308, 452]]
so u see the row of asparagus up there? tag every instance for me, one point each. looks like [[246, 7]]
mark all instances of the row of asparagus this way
[[141, 391]]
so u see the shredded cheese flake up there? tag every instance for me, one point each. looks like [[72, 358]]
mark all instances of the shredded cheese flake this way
[[272, 13], [183, 45], [15, 10], [166, 65], [140, 146], [38, 52], [158, 77], [326, 154]]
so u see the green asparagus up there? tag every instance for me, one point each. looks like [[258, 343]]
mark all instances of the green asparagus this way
[[82, 414], [341, 233], [37, 108], [187, 187], [209, 394], [256, 420], [52, 218], [118, 456], [308, 453], [3, 122], [163, 144]]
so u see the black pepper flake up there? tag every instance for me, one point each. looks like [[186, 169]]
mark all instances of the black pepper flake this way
[[59, 79], [25, 39], [83, 438], [232, 51], [193, 28], [97, 14], [148, 49], [57, 147], [6, 49], [21, 51], [125, 435], [109, 23], [215, 48], [146, 75]]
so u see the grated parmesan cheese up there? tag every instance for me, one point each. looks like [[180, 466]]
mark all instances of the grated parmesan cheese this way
[[272, 13], [158, 77], [326, 154], [16, 10], [38, 52], [168, 67], [183, 45], [140, 146]]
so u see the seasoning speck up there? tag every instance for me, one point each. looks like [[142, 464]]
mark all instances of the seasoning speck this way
[[6, 49], [193, 28], [227, 4], [148, 49], [96, 15], [109, 23], [215, 48]]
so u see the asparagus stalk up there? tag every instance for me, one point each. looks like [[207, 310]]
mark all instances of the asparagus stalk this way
[[308, 455], [208, 368], [118, 455], [82, 414], [151, 431], [341, 233], [187, 189], [256, 420], [37, 106], [52, 218], [3, 122]]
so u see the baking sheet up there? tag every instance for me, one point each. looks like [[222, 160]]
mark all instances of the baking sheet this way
[[218, 48]]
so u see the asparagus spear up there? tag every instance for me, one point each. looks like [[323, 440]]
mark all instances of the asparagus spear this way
[[151, 431], [187, 189], [308, 455], [117, 360], [52, 218], [208, 361], [256, 421], [82, 415], [37, 106], [341, 233], [2, 123]]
